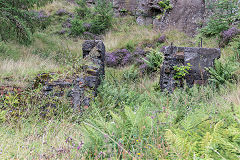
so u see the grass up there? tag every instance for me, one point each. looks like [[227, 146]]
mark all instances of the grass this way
[[19, 72], [40, 140], [51, 8], [126, 31], [48, 53]]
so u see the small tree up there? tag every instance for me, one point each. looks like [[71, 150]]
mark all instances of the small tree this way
[[99, 17], [17, 22]]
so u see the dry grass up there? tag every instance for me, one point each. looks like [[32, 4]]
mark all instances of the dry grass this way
[[126, 30], [29, 62], [18, 72], [38, 140], [234, 97], [56, 5]]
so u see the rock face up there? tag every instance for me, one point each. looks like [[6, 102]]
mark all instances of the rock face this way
[[199, 58], [123, 6], [186, 15]]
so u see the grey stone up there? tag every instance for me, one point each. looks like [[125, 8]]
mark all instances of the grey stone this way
[[186, 16], [199, 58], [83, 88]]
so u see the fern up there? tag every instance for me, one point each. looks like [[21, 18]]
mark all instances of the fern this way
[[208, 138], [125, 129]]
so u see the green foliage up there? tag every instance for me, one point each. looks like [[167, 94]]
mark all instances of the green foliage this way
[[83, 10], [16, 21], [100, 17], [113, 125], [165, 4], [181, 71], [204, 135], [131, 75], [214, 27], [225, 12], [103, 15], [130, 129], [7, 52], [17, 106], [130, 45], [224, 73], [154, 59], [77, 27]]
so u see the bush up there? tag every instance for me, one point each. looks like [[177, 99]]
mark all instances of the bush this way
[[225, 12], [204, 136], [77, 27], [227, 72], [214, 27], [103, 16], [118, 58], [83, 11], [165, 4], [100, 17], [228, 35]]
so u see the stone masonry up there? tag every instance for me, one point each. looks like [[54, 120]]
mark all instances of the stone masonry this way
[[83, 88], [199, 58]]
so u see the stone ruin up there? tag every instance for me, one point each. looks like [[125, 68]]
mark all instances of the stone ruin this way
[[83, 88], [199, 58]]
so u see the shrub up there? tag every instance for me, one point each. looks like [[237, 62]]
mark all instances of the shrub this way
[[204, 136], [181, 71], [227, 35], [118, 58], [83, 11], [225, 12], [99, 18], [130, 131], [214, 27], [165, 4], [77, 27], [103, 15]]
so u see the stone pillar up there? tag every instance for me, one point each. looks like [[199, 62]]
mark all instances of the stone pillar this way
[[85, 87]]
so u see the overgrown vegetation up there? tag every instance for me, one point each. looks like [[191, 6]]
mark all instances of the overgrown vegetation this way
[[95, 20], [130, 118]]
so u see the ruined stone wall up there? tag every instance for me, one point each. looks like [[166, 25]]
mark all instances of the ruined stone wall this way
[[199, 58], [83, 88]]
